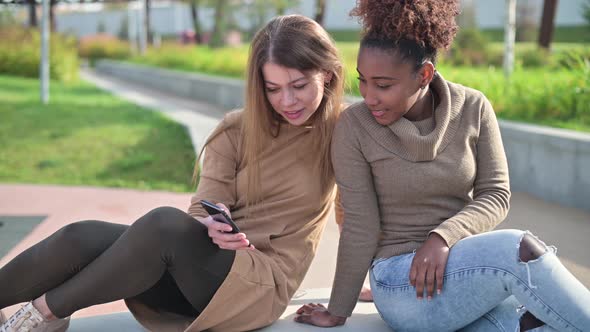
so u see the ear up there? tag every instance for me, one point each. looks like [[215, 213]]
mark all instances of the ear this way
[[328, 77], [426, 74]]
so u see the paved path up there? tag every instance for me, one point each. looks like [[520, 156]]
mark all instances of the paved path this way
[[567, 228]]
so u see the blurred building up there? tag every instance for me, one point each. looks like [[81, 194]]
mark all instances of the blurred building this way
[[171, 18]]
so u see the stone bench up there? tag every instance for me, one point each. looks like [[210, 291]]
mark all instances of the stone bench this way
[[364, 318]]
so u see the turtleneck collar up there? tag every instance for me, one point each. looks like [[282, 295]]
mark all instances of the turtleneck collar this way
[[404, 139]]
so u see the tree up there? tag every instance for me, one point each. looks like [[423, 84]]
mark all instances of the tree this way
[[281, 6], [320, 9], [219, 27], [466, 19], [586, 10], [547, 23], [526, 21], [33, 13], [195, 6], [147, 22]]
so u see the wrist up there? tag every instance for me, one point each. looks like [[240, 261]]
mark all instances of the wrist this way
[[338, 320], [438, 238]]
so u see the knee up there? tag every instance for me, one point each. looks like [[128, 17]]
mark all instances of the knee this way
[[170, 221], [77, 236], [530, 248]]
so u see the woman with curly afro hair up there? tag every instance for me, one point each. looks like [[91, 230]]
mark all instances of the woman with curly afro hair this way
[[423, 180]]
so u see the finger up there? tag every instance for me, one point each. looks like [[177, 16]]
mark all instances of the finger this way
[[440, 272], [304, 319], [306, 308], [430, 274], [420, 278], [219, 226], [228, 237], [413, 272]]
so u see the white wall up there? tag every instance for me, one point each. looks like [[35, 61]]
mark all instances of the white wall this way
[[171, 18]]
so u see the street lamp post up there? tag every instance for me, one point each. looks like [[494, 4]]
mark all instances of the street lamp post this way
[[44, 66]]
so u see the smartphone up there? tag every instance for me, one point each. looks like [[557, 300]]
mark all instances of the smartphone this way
[[218, 214]]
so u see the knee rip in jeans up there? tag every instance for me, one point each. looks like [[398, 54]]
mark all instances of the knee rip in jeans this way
[[530, 249], [527, 320]]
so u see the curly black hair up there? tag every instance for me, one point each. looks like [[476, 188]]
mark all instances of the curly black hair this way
[[414, 29]]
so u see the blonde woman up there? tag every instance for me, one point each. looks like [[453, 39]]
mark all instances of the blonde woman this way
[[268, 165]]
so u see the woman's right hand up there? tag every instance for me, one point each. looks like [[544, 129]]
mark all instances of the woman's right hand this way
[[220, 233]]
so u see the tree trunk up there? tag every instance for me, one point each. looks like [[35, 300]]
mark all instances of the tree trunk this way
[[509, 36], [547, 23], [217, 36], [320, 9], [52, 15], [148, 7], [33, 14], [196, 22]]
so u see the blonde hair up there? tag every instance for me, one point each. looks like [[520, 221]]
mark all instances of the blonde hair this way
[[295, 42]]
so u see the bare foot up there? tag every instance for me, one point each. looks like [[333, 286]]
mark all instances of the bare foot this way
[[366, 295]]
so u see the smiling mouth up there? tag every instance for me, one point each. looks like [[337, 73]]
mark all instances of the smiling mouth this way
[[378, 114]]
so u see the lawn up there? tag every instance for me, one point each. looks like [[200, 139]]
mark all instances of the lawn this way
[[557, 97], [88, 137]]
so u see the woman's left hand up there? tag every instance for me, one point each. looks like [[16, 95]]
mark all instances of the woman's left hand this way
[[428, 266], [318, 315]]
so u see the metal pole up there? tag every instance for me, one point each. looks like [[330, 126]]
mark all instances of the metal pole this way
[[509, 36], [44, 70], [142, 28]]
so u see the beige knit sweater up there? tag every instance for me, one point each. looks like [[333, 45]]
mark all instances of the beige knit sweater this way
[[400, 182], [285, 227]]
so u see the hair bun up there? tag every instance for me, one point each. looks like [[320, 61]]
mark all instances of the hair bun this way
[[430, 23]]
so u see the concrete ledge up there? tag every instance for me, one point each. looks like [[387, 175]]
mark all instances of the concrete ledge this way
[[364, 318], [121, 321], [552, 164], [227, 93]]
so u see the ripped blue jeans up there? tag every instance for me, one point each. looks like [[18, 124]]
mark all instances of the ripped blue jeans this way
[[487, 287]]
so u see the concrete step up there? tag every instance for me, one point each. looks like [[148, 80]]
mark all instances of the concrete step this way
[[364, 318]]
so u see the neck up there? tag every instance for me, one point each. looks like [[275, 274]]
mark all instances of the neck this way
[[423, 107]]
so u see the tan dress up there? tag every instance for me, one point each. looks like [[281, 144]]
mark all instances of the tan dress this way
[[285, 229]]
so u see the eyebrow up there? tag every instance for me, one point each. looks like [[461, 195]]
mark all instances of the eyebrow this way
[[379, 77], [293, 81]]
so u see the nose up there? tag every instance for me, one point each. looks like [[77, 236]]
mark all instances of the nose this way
[[288, 97], [370, 97]]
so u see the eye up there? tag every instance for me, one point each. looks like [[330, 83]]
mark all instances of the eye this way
[[300, 86], [271, 90], [362, 80], [383, 86]]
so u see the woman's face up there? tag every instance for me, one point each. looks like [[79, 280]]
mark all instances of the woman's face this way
[[390, 87], [293, 94]]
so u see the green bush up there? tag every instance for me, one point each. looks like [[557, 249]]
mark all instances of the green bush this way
[[103, 46], [469, 48], [20, 54]]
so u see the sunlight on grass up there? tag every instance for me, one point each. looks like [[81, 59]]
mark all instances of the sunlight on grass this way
[[87, 137]]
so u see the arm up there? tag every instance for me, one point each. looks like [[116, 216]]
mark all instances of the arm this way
[[360, 231], [491, 196], [217, 184], [491, 188], [361, 226]]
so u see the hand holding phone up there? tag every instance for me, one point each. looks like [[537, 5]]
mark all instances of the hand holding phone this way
[[225, 239], [218, 214]]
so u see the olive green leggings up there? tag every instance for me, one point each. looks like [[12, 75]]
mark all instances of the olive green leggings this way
[[165, 260]]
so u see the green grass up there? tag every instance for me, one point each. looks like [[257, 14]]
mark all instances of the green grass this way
[[88, 137], [555, 97], [561, 34]]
